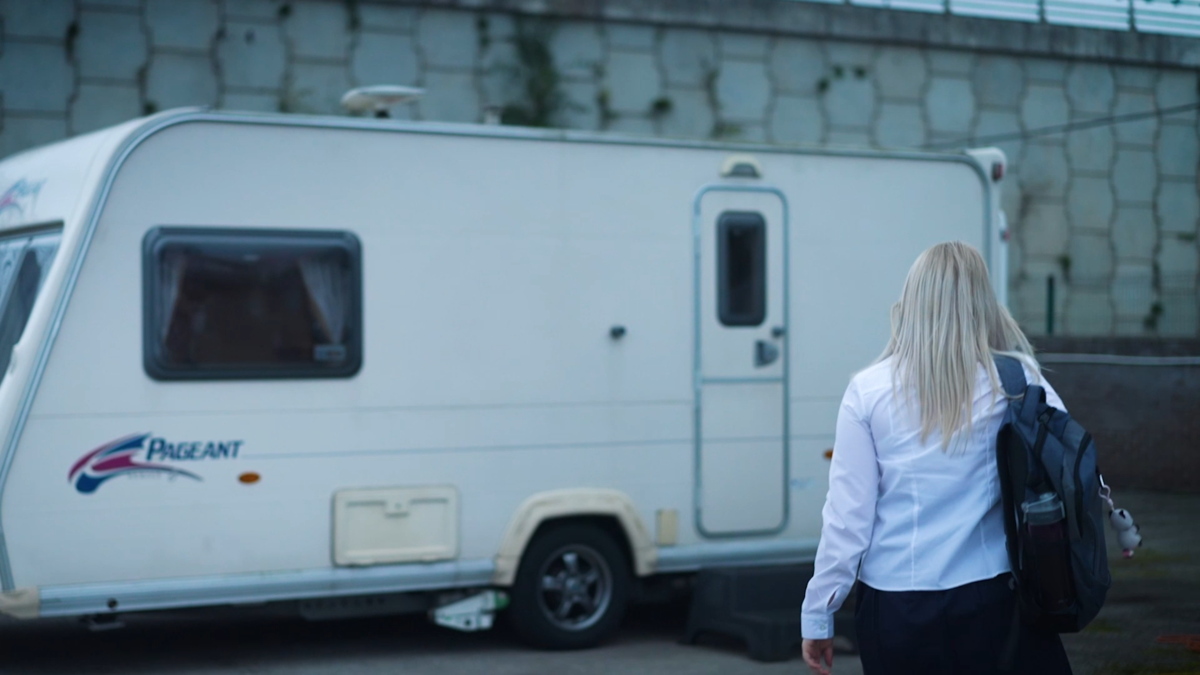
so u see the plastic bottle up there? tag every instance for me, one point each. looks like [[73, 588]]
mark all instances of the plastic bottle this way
[[1046, 524]]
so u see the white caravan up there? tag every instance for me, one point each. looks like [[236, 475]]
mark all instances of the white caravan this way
[[254, 358]]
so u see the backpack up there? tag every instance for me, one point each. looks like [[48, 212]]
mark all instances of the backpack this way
[[1043, 455]]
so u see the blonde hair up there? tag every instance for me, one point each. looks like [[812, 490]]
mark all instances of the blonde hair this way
[[945, 325]]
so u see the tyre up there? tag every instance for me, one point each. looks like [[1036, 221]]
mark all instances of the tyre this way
[[571, 588]]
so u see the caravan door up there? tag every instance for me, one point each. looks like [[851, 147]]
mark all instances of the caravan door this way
[[741, 360]]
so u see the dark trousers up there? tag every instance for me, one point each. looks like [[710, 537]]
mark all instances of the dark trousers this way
[[960, 631]]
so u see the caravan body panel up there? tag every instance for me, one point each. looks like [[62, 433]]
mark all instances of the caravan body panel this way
[[494, 266]]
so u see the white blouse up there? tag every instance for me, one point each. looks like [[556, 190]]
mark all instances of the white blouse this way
[[902, 514]]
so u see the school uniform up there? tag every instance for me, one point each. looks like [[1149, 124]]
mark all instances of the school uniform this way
[[920, 527]]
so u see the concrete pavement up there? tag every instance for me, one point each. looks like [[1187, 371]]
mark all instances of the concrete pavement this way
[[231, 643], [1154, 594]]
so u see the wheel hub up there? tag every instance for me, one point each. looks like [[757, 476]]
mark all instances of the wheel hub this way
[[576, 587]]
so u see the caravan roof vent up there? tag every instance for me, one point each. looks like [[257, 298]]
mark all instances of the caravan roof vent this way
[[378, 99], [741, 166]]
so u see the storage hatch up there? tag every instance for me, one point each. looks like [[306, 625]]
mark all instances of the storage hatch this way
[[378, 526]]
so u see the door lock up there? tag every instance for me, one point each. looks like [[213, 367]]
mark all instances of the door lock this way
[[778, 332], [765, 353]]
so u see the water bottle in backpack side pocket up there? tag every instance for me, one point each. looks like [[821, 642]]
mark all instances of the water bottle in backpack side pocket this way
[[1046, 534]]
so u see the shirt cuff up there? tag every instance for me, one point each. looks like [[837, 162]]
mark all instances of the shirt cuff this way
[[816, 626]]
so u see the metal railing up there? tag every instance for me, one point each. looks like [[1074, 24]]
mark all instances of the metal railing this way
[[1145, 16], [1153, 305]]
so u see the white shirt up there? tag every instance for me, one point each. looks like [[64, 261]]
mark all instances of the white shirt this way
[[902, 514]]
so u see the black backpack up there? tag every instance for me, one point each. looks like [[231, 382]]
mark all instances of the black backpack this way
[[1043, 455]]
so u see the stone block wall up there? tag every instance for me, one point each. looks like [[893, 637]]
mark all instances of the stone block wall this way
[[1110, 212]]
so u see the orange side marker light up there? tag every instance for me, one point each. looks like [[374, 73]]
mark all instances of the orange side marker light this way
[[249, 478], [828, 453]]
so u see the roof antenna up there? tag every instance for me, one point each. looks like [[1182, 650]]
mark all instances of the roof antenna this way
[[379, 99]]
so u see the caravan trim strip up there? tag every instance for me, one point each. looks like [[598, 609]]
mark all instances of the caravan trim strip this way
[[130, 596], [248, 589], [166, 120], [735, 554]]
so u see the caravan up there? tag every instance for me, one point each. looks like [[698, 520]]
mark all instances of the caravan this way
[[258, 358]]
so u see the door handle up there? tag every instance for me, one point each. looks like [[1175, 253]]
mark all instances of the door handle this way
[[765, 353]]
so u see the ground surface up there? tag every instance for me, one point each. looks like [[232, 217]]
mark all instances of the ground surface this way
[[210, 645], [1156, 593]]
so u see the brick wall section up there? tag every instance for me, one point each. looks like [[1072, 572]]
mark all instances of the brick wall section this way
[[1144, 418], [1111, 213]]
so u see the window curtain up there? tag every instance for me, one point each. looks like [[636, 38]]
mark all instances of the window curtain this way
[[10, 255], [327, 290], [170, 280], [45, 247]]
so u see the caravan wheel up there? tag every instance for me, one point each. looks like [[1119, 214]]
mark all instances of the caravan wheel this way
[[571, 589]]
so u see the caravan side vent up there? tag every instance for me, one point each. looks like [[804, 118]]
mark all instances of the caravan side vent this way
[[741, 166]]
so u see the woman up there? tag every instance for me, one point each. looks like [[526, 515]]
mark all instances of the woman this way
[[914, 500]]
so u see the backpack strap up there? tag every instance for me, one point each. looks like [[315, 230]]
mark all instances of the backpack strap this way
[[1012, 375], [1010, 460], [1008, 653], [1013, 475]]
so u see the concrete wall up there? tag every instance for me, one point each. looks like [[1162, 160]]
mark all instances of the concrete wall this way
[[1110, 212], [1143, 417]]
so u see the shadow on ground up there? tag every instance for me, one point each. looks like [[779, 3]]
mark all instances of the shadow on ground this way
[[239, 642]]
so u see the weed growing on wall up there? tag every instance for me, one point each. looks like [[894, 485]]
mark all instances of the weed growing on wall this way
[[838, 72], [661, 107], [720, 128], [542, 100]]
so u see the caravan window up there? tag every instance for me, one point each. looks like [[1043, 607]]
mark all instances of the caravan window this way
[[251, 304], [24, 261], [741, 269]]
